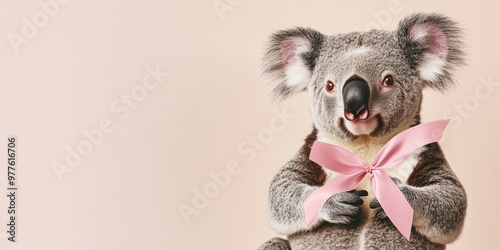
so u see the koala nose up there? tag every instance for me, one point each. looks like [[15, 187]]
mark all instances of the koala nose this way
[[356, 94]]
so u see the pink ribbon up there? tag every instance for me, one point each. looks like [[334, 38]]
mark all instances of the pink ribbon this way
[[352, 170]]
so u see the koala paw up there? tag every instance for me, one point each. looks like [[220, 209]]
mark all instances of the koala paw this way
[[344, 208], [375, 204]]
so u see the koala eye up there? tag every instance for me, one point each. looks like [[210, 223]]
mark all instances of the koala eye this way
[[329, 86], [388, 81]]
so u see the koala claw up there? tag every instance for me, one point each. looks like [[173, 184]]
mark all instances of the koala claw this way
[[381, 215], [375, 204]]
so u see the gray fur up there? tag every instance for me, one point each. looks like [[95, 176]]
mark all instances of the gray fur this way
[[432, 189], [275, 244]]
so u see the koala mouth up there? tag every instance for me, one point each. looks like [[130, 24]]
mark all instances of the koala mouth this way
[[362, 127]]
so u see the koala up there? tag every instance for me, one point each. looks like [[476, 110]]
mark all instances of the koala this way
[[363, 89]]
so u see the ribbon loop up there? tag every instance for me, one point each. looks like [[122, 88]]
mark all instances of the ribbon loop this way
[[352, 170]]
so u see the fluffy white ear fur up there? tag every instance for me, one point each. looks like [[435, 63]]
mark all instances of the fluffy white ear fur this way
[[434, 61], [431, 67], [296, 72]]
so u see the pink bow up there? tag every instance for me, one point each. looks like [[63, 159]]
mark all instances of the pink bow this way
[[352, 170]]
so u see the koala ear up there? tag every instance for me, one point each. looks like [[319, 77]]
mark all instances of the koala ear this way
[[290, 58], [432, 44]]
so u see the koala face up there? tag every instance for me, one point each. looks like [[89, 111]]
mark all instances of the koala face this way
[[366, 84], [374, 88]]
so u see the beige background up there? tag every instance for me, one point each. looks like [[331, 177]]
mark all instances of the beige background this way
[[125, 194]]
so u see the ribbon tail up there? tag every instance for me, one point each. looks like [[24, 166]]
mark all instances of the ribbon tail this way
[[341, 183], [393, 202]]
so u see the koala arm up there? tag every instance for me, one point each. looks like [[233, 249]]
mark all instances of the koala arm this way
[[437, 197], [290, 187]]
